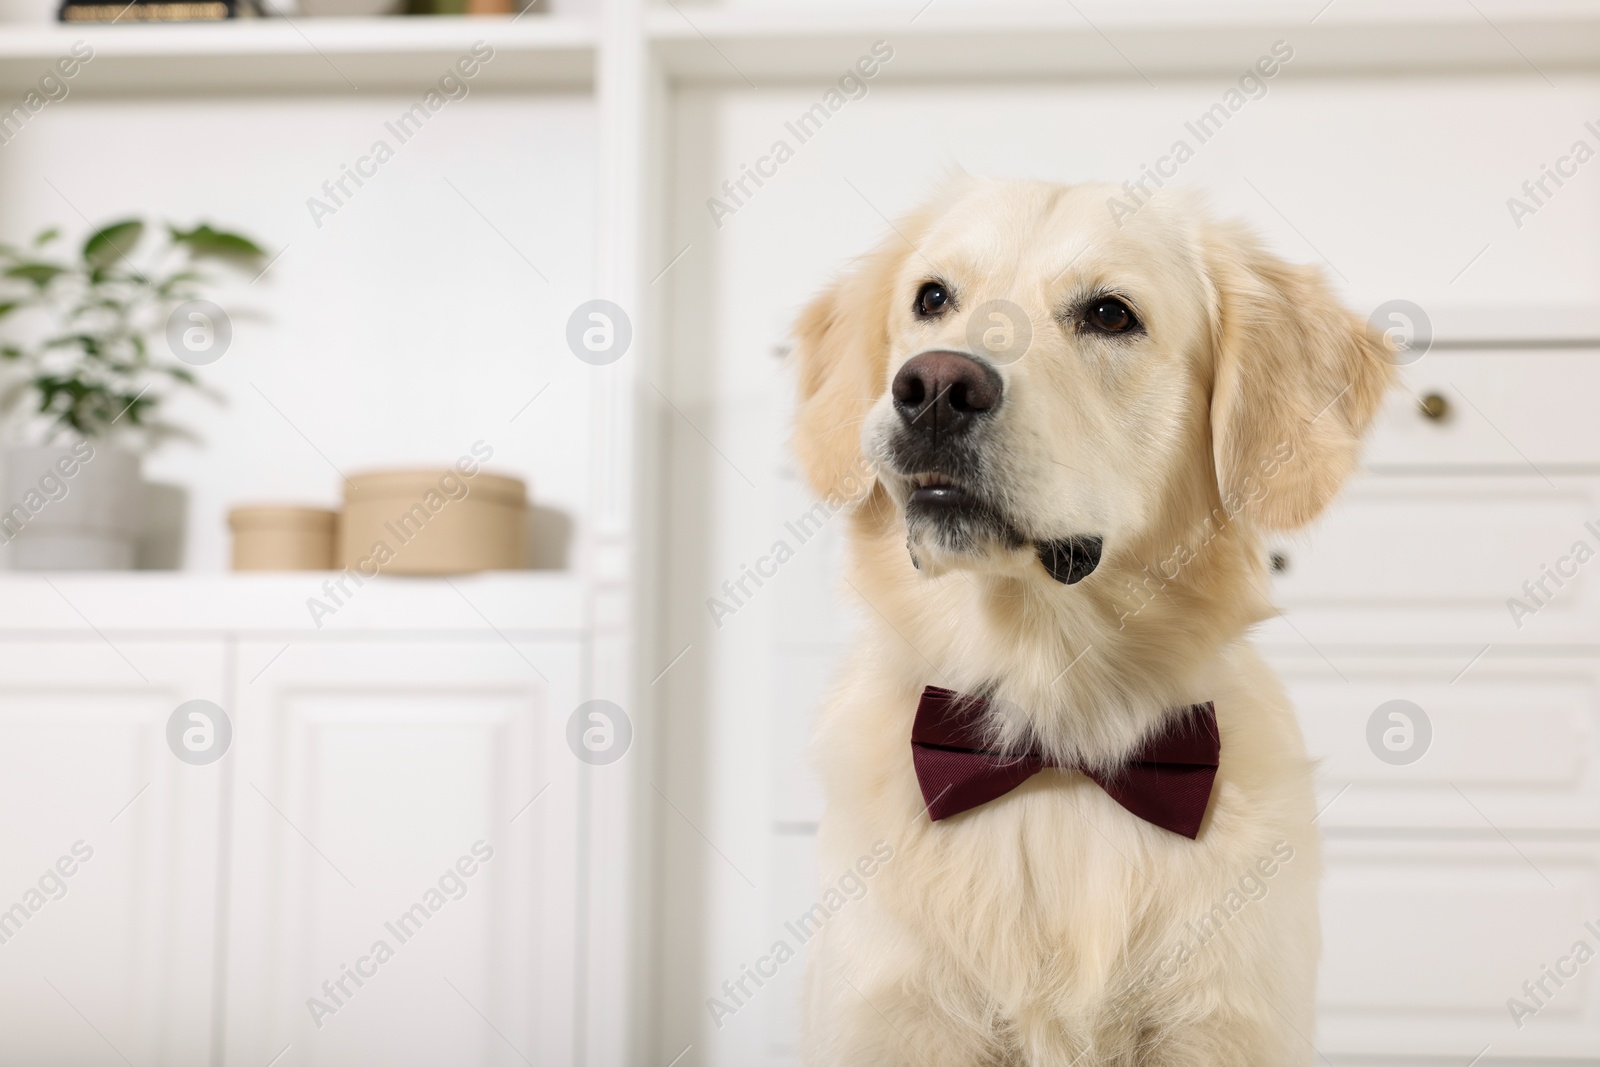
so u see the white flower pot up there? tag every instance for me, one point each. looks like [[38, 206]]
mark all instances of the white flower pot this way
[[36, 12], [71, 507]]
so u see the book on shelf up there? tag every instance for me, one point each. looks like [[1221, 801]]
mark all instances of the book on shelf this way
[[156, 10], [107, 11]]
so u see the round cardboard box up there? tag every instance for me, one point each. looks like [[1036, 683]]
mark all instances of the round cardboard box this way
[[438, 521], [282, 538]]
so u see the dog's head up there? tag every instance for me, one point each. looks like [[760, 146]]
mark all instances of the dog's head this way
[[1038, 384]]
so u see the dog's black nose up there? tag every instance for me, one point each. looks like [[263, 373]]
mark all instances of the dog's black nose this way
[[945, 392]]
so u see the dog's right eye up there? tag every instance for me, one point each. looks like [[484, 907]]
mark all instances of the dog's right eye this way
[[1111, 315], [931, 300]]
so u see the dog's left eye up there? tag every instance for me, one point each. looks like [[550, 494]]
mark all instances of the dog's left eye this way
[[931, 300], [1110, 315]]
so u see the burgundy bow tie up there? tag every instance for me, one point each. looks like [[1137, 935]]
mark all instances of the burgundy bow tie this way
[[1166, 782]]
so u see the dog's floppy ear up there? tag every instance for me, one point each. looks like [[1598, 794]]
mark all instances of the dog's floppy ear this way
[[842, 351], [1297, 379]]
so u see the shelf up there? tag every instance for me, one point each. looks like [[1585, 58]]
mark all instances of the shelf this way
[[948, 40], [303, 55], [153, 603], [1130, 40]]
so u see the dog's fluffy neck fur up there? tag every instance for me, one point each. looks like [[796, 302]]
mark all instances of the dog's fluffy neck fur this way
[[1053, 658]]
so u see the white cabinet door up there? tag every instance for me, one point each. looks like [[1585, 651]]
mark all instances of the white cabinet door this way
[[1444, 948], [405, 853], [108, 848]]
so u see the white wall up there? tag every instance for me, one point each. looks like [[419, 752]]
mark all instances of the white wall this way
[[399, 332]]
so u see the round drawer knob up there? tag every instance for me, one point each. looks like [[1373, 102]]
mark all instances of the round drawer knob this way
[[1434, 407]]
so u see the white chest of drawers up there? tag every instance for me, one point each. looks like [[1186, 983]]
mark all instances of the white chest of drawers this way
[[1455, 574]]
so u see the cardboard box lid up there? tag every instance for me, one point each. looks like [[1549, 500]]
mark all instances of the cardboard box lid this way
[[412, 484], [281, 516]]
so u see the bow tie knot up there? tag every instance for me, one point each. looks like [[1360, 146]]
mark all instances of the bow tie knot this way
[[1166, 781]]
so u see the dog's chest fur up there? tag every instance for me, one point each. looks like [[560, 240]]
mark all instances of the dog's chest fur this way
[[1053, 909]]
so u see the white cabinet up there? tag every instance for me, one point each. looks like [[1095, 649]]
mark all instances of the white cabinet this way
[[369, 777], [1456, 877], [1428, 940], [121, 953], [401, 779]]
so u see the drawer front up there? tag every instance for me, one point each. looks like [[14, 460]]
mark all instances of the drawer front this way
[[1502, 409], [1415, 560], [1425, 943], [1511, 743]]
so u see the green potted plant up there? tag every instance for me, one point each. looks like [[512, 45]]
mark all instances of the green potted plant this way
[[87, 382]]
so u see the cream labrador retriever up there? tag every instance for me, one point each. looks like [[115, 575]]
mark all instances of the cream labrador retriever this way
[[1079, 432]]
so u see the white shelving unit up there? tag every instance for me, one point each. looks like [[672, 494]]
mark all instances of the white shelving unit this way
[[305, 55], [637, 72], [779, 43]]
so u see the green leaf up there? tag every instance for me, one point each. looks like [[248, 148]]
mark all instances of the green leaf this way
[[131, 407], [46, 236], [40, 274], [111, 243], [205, 242], [6, 309], [68, 340], [167, 286]]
